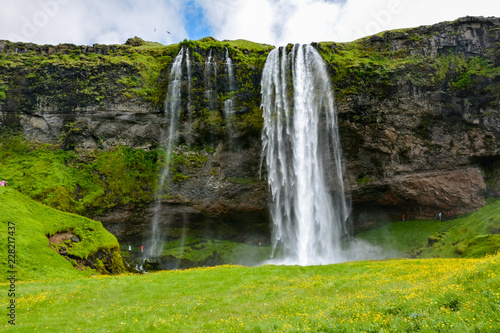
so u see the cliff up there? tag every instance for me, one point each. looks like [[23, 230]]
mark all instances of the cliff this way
[[418, 111], [419, 115]]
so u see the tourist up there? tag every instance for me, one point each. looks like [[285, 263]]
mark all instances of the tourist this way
[[4, 183], [130, 248], [142, 248]]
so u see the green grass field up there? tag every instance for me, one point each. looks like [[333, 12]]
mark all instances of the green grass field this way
[[455, 288], [430, 295]]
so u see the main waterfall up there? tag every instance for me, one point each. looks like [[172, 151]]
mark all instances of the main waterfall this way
[[300, 139]]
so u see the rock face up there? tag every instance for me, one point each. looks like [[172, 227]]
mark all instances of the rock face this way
[[418, 114], [422, 137]]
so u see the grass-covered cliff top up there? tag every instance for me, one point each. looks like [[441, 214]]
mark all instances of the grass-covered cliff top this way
[[134, 68], [27, 226], [450, 55]]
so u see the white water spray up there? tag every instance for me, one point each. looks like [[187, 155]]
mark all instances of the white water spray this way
[[300, 136], [172, 112]]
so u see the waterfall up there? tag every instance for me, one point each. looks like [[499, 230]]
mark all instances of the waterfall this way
[[190, 88], [228, 64], [300, 139], [172, 111], [230, 72], [210, 77], [228, 103]]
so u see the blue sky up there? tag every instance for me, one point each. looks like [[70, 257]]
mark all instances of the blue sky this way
[[275, 22], [196, 26]]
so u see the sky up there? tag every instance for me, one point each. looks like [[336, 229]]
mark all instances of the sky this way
[[275, 22]]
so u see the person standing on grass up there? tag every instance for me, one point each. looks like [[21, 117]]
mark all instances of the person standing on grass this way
[[4, 183]]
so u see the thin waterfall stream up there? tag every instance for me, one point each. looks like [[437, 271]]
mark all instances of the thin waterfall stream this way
[[228, 104], [167, 141]]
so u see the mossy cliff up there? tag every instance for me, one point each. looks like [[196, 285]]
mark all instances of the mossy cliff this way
[[418, 111]]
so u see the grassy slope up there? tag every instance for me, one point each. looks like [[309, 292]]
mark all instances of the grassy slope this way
[[469, 236], [33, 222], [432, 295]]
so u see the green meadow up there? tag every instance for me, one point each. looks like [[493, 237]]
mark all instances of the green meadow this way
[[423, 295], [455, 288]]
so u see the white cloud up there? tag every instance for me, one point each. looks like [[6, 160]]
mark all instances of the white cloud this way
[[360, 18], [91, 21], [239, 19], [311, 21], [276, 22], [279, 22]]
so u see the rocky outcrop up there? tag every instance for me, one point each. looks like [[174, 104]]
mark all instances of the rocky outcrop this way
[[418, 114]]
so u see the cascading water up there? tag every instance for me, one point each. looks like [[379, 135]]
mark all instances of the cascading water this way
[[228, 104], [210, 76], [172, 112], [300, 137], [230, 72], [190, 88]]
